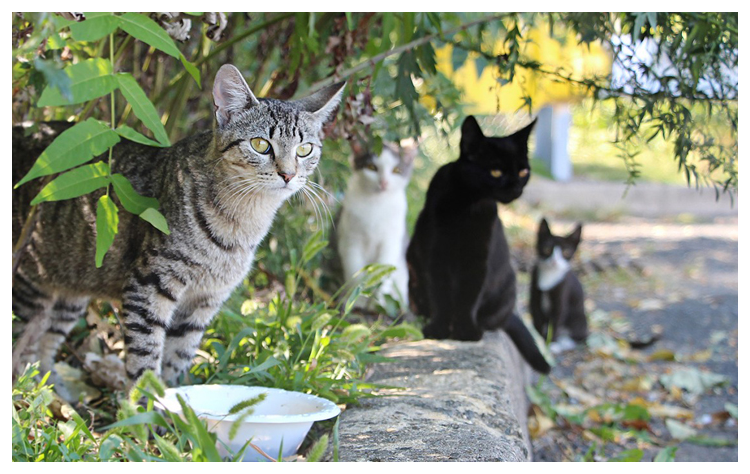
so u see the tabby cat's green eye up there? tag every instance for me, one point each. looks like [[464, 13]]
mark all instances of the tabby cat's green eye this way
[[304, 150], [372, 167], [261, 146], [397, 170]]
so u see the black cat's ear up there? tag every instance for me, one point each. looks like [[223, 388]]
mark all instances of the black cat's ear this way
[[471, 134], [231, 94], [324, 102], [521, 137]]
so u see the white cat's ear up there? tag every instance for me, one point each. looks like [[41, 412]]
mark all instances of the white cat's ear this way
[[231, 94], [471, 134], [409, 148], [324, 102]]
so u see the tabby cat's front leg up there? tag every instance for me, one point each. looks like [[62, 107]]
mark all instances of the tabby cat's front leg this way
[[147, 305], [185, 332]]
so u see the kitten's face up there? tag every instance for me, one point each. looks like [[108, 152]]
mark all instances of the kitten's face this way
[[549, 245], [497, 167], [268, 146], [390, 171]]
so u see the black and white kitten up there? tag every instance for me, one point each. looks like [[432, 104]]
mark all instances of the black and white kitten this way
[[556, 295], [460, 274]]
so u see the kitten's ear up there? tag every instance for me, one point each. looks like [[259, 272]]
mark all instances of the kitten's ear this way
[[575, 236], [231, 94], [471, 134], [324, 102], [544, 228]]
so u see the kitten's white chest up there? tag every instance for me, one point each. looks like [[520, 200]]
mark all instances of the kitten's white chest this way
[[552, 270]]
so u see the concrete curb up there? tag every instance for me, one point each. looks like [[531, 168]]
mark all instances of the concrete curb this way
[[462, 401]]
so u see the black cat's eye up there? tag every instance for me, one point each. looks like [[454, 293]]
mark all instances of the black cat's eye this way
[[397, 170], [523, 173], [496, 173], [372, 167]]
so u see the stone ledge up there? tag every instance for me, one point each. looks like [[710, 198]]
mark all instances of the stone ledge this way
[[461, 401]]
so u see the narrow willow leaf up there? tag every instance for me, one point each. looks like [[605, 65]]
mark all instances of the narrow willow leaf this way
[[97, 25], [148, 31], [126, 132], [89, 79], [75, 146], [191, 69], [75, 183], [142, 106], [106, 227], [129, 197], [156, 219]]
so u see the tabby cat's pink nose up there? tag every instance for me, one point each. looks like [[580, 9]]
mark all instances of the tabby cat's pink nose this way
[[287, 176]]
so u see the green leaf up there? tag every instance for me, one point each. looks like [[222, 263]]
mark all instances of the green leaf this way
[[204, 438], [679, 430], [129, 197], [191, 69], [156, 219], [148, 31], [108, 447], [732, 409], [106, 227], [458, 57], [89, 80], [126, 132], [75, 183], [630, 455], [142, 106], [97, 25], [666, 454], [55, 77], [148, 417], [75, 146], [315, 244]]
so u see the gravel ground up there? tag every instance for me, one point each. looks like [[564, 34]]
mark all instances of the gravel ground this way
[[687, 290]]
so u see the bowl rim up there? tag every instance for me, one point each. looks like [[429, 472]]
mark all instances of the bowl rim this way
[[169, 402]]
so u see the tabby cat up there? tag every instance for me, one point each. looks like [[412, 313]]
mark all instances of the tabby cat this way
[[219, 191], [371, 227], [556, 295], [460, 274]]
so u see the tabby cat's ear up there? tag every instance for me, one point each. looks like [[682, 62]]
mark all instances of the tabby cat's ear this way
[[324, 102], [471, 134], [231, 94]]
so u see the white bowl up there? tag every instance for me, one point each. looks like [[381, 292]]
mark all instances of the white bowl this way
[[281, 421]]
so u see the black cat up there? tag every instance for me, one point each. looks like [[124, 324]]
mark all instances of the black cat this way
[[556, 295], [460, 276]]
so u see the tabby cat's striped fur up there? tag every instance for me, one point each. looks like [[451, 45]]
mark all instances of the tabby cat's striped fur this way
[[219, 196]]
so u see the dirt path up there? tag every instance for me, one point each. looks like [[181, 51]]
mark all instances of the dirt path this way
[[687, 291]]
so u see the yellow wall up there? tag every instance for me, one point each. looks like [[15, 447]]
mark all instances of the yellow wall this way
[[484, 95]]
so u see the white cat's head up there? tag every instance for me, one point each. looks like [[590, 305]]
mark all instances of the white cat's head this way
[[387, 172]]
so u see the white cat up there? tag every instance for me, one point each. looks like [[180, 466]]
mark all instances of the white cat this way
[[372, 224]]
